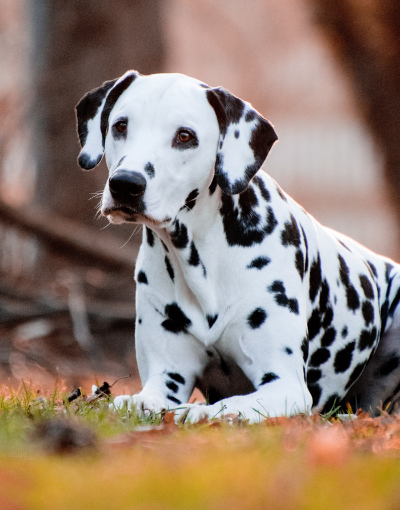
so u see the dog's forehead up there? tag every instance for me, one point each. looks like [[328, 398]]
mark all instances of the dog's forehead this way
[[166, 91]]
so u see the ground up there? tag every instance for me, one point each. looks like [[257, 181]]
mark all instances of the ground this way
[[80, 455]]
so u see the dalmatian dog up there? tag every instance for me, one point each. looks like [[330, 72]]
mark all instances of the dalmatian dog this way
[[240, 292]]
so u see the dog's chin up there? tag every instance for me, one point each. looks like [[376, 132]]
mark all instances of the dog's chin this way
[[116, 216]]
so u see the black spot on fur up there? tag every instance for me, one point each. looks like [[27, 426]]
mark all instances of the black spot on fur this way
[[210, 354], [367, 339], [267, 378], [142, 278], [177, 322], [319, 357], [388, 366], [388, 270], [256, 318], [172, 386], [261, 185], [237, 134], [328, 337], [140, 321], [179, 236], [211, 320], [324, 296], [355, 374], [368, 312], [288, 350], [373, 269], [290, 235], [242, 222], [259, 262], [169, 268], [353, 301], [174, 399], [149, 236], [315, 390], [281, 193], [213, 186], [343, 272], [164, 246], [306, 249], [281, 298], [345, 331], [315, 278], [250, 115], [194, 259], [176, 377], [366, 287], [313, 375], [190, 201], [150, 171], [314, 324], [304, 349], [328, 317], [343, 358], [299, 263]]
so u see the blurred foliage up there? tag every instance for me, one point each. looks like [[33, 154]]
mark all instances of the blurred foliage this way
[[121, 461]]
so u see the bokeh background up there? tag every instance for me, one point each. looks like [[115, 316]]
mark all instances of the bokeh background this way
[[326, 73]]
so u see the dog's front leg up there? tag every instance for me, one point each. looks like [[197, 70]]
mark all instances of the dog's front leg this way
[[169, 360], [276, 360]]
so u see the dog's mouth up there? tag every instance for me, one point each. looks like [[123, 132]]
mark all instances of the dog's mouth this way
[[124, 213]]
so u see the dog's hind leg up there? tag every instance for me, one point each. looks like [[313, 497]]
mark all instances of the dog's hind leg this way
[[378, 387]]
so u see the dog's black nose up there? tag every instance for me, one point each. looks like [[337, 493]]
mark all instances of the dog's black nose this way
[[125, 185]]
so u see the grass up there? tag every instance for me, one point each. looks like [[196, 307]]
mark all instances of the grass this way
[[82, 455]]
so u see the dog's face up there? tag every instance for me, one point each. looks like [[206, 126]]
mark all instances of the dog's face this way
[[164, 137]]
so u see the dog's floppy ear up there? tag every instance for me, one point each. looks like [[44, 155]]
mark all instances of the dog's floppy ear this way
[[92, 112], [244, 142]]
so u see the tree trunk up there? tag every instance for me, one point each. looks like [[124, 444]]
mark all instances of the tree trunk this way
[[365, 37], [81, 45]]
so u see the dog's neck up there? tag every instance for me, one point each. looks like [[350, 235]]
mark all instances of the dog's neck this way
[[189, 239]]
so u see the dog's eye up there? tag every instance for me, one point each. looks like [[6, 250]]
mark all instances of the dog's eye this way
[[121, 126], [184, 136]]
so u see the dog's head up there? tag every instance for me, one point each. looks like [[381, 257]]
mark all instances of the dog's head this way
[[164, 137]]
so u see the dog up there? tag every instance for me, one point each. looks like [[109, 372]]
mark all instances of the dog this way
[[240, 292]]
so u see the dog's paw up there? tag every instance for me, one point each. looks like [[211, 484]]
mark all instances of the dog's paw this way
[[193, 413], [144, 404]]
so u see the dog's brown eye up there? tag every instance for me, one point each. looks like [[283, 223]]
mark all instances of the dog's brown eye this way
[[184, 136], [121, 126]]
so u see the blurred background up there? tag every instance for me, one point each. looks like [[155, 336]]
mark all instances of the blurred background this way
[[326, 73]]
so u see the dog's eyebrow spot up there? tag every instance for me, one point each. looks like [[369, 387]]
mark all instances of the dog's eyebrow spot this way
[[150, 171]]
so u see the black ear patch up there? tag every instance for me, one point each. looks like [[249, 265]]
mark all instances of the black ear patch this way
[[93, 112], [112, 98], [239, 157], [87, 108]]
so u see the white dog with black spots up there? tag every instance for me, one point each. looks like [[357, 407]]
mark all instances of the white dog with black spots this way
[[240, 292]]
